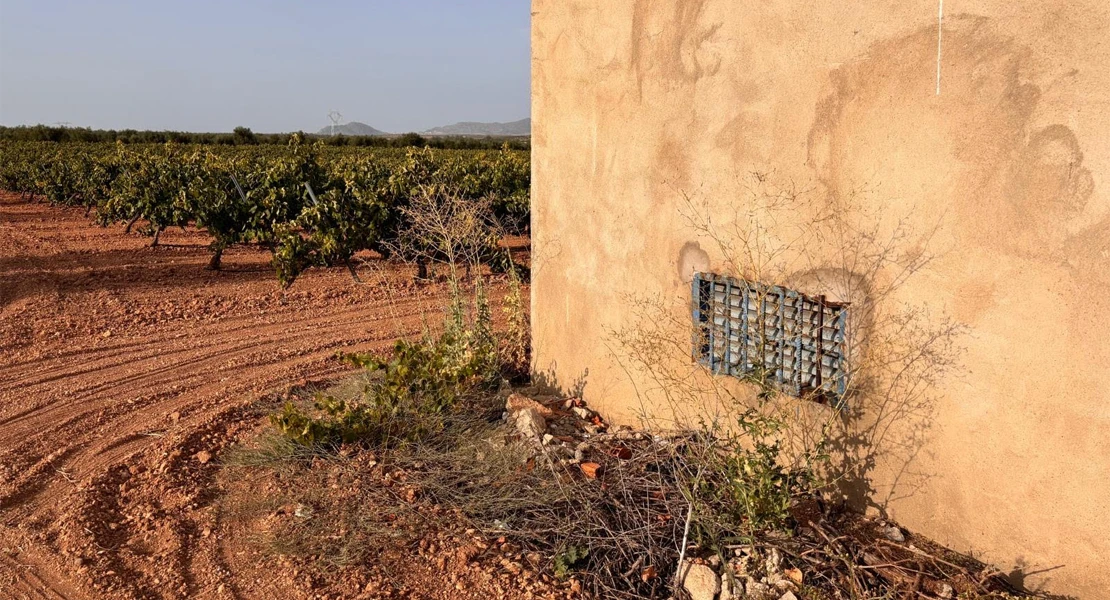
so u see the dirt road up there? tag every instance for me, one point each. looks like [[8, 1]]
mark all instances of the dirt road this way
[[125, 370]]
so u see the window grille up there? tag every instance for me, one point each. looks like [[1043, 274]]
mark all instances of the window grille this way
[[798, 341]]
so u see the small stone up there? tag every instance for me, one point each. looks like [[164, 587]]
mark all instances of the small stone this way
[[582, 413], [529, 423], [700, 581], [773, 563], [590, 470], [893, 534], [580, 451], [794, 575], [203, 457], [756, 590], [945, 591], [519, 402], [788, 596], [732, 589], [739, 565], [548, 439]]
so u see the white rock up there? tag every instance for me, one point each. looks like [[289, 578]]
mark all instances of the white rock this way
[[732, 589], [701, 582], [580, 451], [788, 596], [893, 534], [581, 412], [773, 564], [530, 423], [757, 590]]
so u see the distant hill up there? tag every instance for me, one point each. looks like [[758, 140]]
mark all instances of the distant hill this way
[[521, 127], [354, 128]]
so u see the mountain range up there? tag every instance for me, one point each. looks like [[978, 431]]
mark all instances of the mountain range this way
[[354, 128], [522, 127]]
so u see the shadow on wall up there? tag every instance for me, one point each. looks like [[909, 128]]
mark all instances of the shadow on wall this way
[[900, 353], [972, 153], [1013, 194], [549, 382], [789, 235]]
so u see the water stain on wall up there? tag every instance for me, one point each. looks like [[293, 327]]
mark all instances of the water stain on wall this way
[[973, 153], [692, 259], [684, 58], [1048, 186], [668, 41]]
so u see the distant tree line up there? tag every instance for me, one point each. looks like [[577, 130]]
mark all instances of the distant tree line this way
[[243, 136]]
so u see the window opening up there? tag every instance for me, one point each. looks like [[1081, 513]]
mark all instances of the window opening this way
[[798, 341]]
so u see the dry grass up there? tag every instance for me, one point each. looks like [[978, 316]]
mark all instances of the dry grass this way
[[627, 527]]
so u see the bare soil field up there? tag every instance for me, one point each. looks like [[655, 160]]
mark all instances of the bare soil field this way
[[126, 370]]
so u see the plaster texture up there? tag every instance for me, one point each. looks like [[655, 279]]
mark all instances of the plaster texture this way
[[988, 199]]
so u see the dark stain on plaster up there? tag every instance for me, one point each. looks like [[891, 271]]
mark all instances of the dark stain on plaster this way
[[691, 259], [675, 46], [672, 160], [1026, 182], [666, 38], [1050, 169]]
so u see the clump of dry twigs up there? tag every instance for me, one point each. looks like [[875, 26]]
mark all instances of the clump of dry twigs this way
[[607, 509]]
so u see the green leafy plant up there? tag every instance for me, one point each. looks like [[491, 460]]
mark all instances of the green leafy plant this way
[[409, 394], [407, 400], [568, 559]]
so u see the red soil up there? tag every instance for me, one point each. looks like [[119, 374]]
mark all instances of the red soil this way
[[123, 367]]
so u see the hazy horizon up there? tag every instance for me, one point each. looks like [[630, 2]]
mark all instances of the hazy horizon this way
[[281, 66]]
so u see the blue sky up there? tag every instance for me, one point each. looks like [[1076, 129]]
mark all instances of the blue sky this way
[[207, 65]]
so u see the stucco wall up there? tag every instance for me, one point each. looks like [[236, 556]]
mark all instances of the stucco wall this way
[[644, 111]]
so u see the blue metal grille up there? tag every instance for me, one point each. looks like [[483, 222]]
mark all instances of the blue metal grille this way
[[797, 340]]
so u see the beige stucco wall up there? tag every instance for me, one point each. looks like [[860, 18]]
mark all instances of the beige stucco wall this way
[[644, 109]]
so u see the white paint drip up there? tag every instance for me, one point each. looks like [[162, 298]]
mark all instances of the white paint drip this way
[[940, 37]]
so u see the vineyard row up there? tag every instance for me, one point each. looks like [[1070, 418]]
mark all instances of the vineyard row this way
[[310, 205]]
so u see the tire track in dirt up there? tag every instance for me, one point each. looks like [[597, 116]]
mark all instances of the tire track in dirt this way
[[153, 358], [130, 384], [130, 374], [24, 374], [29, 586], [186, 375]]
